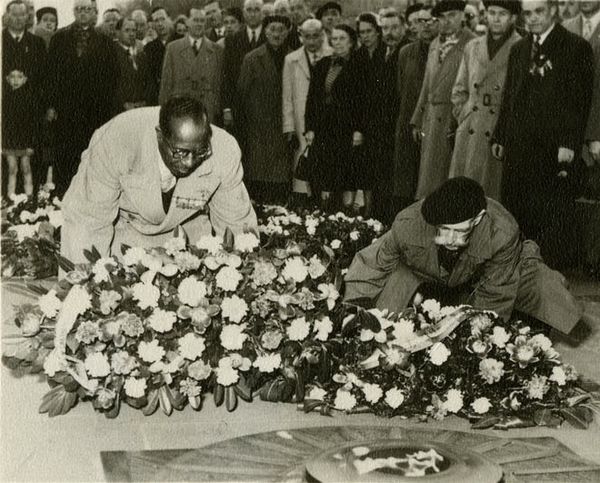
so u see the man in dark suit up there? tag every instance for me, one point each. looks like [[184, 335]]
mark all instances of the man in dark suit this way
[[236, 47], [540, 130], [134, 86], [216, 30], [298, 14], [155, 50], [81, 87], [412, 60]]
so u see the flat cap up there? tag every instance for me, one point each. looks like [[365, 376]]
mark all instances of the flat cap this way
[[457, 200]]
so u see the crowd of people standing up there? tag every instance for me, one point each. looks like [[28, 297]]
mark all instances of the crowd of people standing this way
[[368, 114]]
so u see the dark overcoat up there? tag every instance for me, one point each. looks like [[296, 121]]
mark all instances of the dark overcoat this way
[[497, 271], [412, 60], [334, 119], [155, 53], [266, 156], [540, 114], [22, 108]]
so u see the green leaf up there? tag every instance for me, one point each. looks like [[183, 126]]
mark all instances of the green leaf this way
[[546, 417], [578, 417], [114, 411], [164, 401], [152, 405], [512, 422], [311, 404], [219, 394], [485, 423], [37, 289], [176, 398], [58, 401], [243, 390], [228, 240], [65, 264], [231, 399], [124, 248]]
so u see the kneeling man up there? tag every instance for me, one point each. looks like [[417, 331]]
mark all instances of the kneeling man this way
[[150, 170], [467, 245]]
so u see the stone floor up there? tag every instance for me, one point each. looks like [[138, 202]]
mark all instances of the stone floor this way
[[34, 447]]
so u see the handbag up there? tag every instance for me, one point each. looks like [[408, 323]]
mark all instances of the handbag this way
[[304, 167]]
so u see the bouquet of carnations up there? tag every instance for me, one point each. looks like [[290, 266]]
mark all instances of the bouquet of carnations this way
[[431, 361], [31, 235]]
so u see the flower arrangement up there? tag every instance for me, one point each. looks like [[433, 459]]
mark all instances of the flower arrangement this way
[[540, 65], [161, 328], [31, 235], [496, 374]]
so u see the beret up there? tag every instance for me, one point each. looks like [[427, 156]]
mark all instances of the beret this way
[[457, 200], [447, 5], [43, 11], [513, 6], [328, 6], [269, 19]]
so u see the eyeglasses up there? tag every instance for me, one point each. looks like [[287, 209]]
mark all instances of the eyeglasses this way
[[179, 154], [427, 21]]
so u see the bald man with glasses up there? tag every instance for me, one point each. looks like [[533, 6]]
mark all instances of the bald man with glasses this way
[[149, 171]]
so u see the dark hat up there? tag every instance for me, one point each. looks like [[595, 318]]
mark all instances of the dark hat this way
[[513, 6], [234, 12], [349, 30], [269, 19], [368, 17], [43, 11], [447, 5], [328, 6], [457, 200]]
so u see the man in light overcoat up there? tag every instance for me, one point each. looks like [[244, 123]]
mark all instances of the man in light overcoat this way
[[150, 170], [296, 79], [193, 66], [432, 120], [477, 95]]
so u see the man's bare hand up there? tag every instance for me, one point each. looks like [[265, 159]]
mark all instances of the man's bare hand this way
[[566, 155]]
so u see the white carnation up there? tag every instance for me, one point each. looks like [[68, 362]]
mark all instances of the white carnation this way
[[162, 320], [373, 393], [344, 400], [96, 364], [191, 291], [245, 242], [146, 294], [295, 269], [298, 329], [454, 401], [439, 354], [394, 397], [135, 388], [213, 244], [481, 405], [233, 336], [323, 327], [151, 351], [191, 346], [49, 304], [234, 308], [228, 279], [268, 362]]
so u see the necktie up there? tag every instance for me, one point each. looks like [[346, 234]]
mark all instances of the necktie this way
[[253, 40], [587, 29], [132, 57], [535, 48], [388, 53], [196, 47]]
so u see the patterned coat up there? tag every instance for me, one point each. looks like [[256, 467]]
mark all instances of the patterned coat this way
[[476, 96], [433, 114], [198, 76], [115, 197]]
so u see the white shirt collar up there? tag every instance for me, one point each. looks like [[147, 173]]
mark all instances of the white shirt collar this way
[[595, 19], [193, 40], [17, 37], [257, 30], [167, 180], [544, 35]]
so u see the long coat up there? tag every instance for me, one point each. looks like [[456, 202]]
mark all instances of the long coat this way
[[22, 108], [155, 53], [296, 80], [433, 114], [115, 197], [199, 76], [259, 119], [82, 89], [236, 48], [540, 114], [334, 119], [412, 60], [476, 96], [134, 83], [497, 271]]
